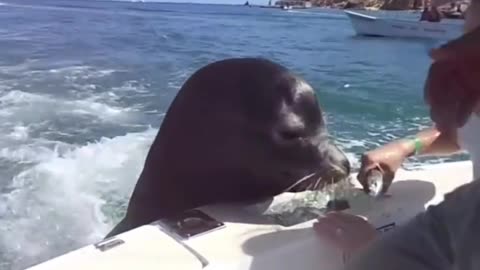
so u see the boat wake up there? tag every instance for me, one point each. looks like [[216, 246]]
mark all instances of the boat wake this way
[[65, 198], [62, 185]]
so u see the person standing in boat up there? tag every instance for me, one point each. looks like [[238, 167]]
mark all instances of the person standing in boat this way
[[425, 14], [445, 236], [430, 13], [435, 15]]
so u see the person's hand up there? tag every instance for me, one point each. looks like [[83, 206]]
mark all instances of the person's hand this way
[[452, 88], [347, 232], [387, 159]]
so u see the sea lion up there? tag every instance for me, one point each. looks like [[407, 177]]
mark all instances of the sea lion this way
[[239, 130]]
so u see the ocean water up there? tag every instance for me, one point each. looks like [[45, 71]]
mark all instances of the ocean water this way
[[84, 86]]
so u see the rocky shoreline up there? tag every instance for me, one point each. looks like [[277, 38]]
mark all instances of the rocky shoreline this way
[[412, 5], [360, 4], [370, 4], [382, 4]]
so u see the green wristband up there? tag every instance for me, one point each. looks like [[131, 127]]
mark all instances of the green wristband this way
[[418, 145]]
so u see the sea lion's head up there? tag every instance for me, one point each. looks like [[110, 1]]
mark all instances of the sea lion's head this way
[[243, 129]]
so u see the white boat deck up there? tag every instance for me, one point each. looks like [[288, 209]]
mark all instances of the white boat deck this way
[[246, 243]]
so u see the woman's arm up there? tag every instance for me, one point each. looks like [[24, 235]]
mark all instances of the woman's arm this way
[[390, 157], [431, 142]]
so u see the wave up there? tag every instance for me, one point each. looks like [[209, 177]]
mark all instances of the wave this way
[[65, 198]]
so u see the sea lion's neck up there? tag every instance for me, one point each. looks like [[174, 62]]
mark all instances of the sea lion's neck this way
[[159, 194]]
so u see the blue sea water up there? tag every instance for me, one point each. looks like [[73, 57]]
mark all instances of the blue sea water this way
[[84, 86]]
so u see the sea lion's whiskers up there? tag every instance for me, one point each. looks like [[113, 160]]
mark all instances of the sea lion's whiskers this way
[[332, 188], [301, 180], [338, 169], [317, 183], [310, 186]]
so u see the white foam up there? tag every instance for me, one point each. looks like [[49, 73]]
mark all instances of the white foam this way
[[178, 78], [82, 72], [133, 86], [55, 205], [30, 107], [19, 68], [19, 133]]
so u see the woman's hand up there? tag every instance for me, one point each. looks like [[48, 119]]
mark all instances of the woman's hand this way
[[387, 159], [347, 232]]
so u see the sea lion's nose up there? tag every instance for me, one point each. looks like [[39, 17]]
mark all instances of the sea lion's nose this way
[[337, 160]]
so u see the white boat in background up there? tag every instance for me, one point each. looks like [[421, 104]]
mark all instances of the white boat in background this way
[[366, 25], [238, 239]]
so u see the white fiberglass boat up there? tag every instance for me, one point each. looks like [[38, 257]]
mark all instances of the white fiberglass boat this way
[[237, 239], [366, 25]]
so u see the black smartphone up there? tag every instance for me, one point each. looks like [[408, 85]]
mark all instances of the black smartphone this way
[[192, 223]]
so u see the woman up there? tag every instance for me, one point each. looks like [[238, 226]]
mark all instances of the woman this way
[[452, 130], [444, 234]]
